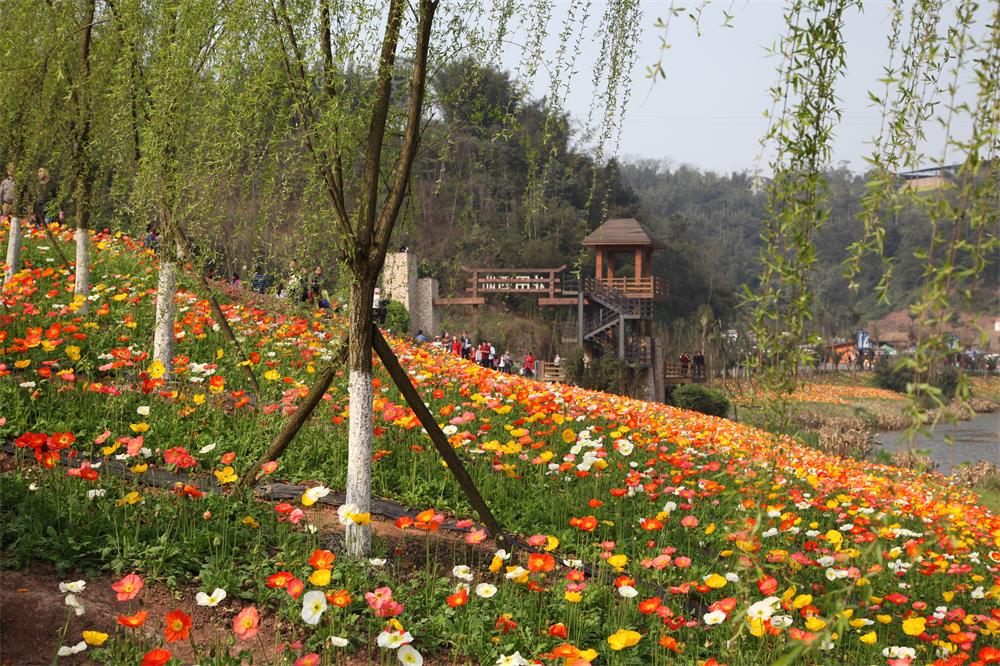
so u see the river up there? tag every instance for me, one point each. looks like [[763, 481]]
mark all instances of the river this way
[[973, 440]]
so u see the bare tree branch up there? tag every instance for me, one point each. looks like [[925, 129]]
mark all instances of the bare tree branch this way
[[411, 138], [376, 132]]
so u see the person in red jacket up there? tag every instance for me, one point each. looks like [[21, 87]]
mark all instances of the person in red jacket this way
[[529, 365]]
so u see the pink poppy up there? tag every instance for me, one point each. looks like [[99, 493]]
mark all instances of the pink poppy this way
[[128, 587], [246, 624]]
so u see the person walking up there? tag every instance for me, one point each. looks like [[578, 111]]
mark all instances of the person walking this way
[[685, 362], [293, 289], [529, 365], [314, 293], [699, 364], [45, 200], [8, 188]]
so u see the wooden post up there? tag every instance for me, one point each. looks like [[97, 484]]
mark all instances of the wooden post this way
[[440, 440], [621, 337], [579, 315], [600, 264]]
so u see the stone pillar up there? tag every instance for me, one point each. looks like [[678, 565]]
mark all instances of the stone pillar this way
[[399, 279], [424, 315], [659, 388]]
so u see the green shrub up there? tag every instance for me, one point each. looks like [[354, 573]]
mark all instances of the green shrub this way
[[894, 377], [700, 399], [397, 319], [888, 375], [605, 373]]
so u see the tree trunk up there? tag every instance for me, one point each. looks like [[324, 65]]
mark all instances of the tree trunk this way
[[81, 283], [359, 442], [13, 249], [166, 292], [184, 247], [82, 158]]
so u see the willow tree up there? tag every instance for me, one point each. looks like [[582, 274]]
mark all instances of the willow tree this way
[[172, 87], [361, 115], [33, 121], [935, 46], [82, 92]]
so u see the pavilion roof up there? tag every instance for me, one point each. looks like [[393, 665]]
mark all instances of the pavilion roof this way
[[621, 231]]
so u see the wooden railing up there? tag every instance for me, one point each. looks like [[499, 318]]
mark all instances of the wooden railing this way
[[549, 372], [647, 287], [514, 281]]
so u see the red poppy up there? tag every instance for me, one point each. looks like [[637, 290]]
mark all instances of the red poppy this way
[[505, 623], [558, 630], [460, 598], [670, 643], [650, 606], [280, 579], [539, 562], [340, 598], [177, 625], [133, 621], [767, 585], [322, 559], [157, 657], [989, 655]]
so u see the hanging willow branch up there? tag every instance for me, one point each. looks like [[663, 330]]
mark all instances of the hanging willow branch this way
[[797, 194]]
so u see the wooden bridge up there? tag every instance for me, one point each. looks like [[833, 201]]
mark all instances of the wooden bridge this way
[[546, 283], [676, 374]]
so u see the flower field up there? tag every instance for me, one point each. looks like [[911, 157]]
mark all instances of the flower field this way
[[654, 535]]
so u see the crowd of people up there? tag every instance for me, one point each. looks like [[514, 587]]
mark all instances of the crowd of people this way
[[483, 353], [44, 205]]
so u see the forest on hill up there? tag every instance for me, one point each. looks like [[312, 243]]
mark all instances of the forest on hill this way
[[503, 179], [483, 202]]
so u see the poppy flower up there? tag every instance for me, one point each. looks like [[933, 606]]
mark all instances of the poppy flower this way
[[541, 562], [322, 559], [177, 626], [157, 657], [133, 621], [650, 606], [505, 623], [459, 598], [340, 598], [246, 623], [311, 659], [128, 587]]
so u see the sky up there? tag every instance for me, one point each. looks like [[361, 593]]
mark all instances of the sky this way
[[708, 111]]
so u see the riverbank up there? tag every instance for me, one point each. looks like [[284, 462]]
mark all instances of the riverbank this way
[[844, 414]]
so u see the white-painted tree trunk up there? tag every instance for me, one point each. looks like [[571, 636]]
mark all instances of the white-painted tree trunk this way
[[359, 460], [13, 249], [82, 282], [166, 308]]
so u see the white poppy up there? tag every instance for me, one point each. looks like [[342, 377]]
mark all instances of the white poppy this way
[[75, 586], [715, 617], [313, 605], [66, 651], [409, 656], [210, 600], [485, 590]]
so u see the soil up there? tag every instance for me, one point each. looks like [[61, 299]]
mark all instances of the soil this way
[[33, 611]]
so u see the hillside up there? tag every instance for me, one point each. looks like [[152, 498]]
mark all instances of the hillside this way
[[658, 525]]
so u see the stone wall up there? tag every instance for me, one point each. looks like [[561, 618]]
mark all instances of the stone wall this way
[[400, 283], [424, 316], [399, 280]]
